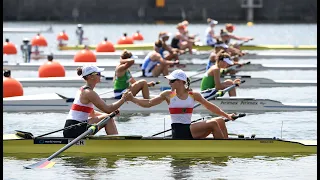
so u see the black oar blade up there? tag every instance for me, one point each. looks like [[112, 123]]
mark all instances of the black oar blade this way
[[44, 164]]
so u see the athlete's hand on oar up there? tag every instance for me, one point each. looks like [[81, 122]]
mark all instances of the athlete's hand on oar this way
[[231, 116], [237, 81], [152, 83]]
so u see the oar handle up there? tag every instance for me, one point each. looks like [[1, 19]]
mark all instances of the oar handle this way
[[153, 84], [105, 120], [234, 117]]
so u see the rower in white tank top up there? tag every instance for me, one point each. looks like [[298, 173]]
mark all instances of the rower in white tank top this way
[[80, 112], [181, 110]]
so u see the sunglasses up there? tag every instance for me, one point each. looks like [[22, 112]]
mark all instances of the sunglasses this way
[[173, 80], [96, 73]]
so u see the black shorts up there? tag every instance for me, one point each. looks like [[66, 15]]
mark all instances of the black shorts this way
[[181, 131], [76, 130]]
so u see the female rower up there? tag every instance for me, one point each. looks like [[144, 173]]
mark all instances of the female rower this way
[[173, 52], [210, 36], [222, 43], [181, 40], [153, 64], [123, 78], [212, 60], [181, 101], [82, 111], [212, 77], [229, 29]]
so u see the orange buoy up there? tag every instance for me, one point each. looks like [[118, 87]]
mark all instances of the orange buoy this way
[[51, 69], [85, 55], [63, 36], [9, 48], [125, 39], [39, 40], [11, 87], [105, 46], [137, 36]]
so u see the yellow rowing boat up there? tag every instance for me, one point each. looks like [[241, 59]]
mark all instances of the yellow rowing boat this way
[[149, 46], [14, 144]]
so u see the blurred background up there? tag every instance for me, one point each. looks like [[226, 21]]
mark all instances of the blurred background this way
[[160, 11]]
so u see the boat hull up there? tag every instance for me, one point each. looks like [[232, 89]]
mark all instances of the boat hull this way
[[53, 102], [122, 145], [149, 46]]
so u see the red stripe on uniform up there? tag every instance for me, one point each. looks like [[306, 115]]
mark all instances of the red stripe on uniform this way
[[180, 110], [77, 107]]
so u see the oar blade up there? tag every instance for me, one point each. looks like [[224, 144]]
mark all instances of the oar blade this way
[[44, 164]]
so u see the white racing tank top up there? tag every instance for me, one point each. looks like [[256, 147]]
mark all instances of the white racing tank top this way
[[80, 112], [181, 110], [148, 64]]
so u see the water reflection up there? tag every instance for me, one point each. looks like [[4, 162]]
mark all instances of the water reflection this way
[[178, 166]]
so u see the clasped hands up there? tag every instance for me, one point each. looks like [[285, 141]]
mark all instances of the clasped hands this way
[[127, 95]]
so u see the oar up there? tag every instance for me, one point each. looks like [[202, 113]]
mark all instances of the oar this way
[[28, 135], [218, 94], [225, 119], [68, 127], [245, 42], [158, 82], [224, 71], [46, 163]]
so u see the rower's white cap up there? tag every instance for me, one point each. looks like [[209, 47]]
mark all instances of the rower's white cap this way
[[222, 45], [177, 74], [213, 22], [86, 70], [228, 60], [165, 35]]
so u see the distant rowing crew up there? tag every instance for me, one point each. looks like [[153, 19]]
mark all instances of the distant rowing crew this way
[[195, 55]]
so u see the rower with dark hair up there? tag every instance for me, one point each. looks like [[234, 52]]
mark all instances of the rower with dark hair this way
[[123, 79], [154, 65], [181, 100], [211, 80], [82, 111]]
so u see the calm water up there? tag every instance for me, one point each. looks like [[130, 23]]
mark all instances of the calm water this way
[[296, 125]]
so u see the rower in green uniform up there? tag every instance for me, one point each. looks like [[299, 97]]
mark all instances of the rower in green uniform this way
[[211, 83], [123, 78]]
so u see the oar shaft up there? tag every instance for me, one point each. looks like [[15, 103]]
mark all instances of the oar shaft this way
[[69, 127], [91, 130], [171, 129], [220, 93]]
